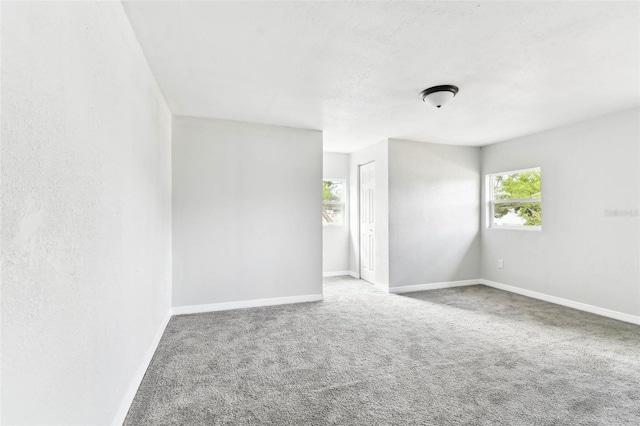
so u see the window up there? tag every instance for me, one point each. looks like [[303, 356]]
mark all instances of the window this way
[[333, 202], [515, 199]]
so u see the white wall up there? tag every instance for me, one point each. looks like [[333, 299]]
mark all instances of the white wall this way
[[247, 205], [335, 239], [580, 254], [86, 260], [434, 213], [380, 154]]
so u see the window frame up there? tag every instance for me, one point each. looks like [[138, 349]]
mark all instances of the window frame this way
[[491, 202], [342, 202]]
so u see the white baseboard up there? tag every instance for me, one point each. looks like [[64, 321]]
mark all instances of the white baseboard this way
[[227, 306], [354, 274], [380, 287], [633, 319], [336, 273], [139, 374], [432, 286]]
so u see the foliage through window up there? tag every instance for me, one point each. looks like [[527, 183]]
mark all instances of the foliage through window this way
[[515, 199], [333, 202]]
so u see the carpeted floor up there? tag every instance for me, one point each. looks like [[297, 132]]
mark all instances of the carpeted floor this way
[[468, 355]]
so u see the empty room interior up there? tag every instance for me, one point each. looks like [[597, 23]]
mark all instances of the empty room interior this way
[[310, 213]]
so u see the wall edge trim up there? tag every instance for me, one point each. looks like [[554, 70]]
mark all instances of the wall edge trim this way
[[620, 316], [432, 286], [242, 304], [136, 381], [383, 288], [336, 273]]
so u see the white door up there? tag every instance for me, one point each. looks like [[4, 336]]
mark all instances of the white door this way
[[367, 223]]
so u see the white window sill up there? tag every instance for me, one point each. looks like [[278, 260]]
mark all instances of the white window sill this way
[[514, 228]]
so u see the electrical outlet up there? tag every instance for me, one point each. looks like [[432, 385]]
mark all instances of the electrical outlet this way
[[500, 264]]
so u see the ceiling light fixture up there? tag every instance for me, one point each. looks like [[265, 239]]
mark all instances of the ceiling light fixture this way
[[439, 95]]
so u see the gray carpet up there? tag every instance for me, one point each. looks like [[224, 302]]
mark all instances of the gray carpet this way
[[469, 355]]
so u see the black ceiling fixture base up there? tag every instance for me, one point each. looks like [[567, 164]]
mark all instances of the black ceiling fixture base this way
[[443, 88]]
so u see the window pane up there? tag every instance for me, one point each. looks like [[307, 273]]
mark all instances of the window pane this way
[[332, 190], [517, 214], [333, 202], [332, 213], [526, 184]]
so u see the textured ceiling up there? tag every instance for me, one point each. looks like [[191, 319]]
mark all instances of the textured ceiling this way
[[355, 70]]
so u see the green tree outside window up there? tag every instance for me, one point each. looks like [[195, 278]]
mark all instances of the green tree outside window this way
[[519, 186]]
